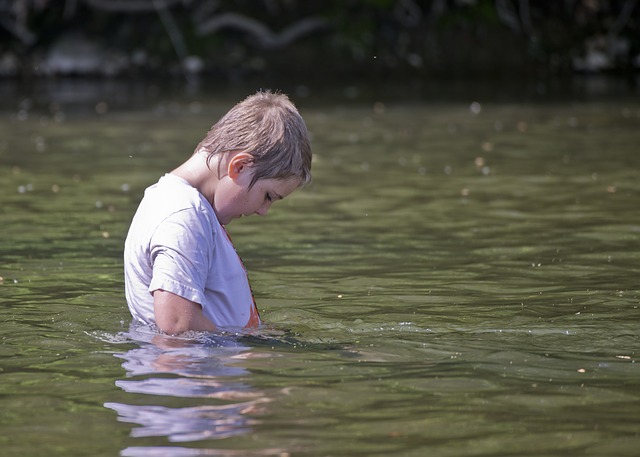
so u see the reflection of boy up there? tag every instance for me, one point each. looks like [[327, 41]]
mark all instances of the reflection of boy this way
[[181, 269]]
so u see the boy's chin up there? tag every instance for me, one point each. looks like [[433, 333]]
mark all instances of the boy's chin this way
[[231, 219]]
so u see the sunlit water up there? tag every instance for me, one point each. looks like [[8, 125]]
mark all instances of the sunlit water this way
[[461, 279]]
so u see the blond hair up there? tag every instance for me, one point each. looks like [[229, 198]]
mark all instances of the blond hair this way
[[267, 126]]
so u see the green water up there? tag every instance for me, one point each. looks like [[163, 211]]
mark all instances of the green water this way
[[459, 280]]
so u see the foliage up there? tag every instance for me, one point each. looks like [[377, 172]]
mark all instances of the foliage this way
[[382, 37]]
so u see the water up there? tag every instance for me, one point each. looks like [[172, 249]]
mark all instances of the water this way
[[459, 280]]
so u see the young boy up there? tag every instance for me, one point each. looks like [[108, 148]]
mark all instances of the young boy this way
[[181, 269]]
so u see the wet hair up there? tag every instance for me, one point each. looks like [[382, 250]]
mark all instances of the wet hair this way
[[267, 126]]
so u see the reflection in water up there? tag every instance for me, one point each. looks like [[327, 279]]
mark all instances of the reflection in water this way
[[199, 367]]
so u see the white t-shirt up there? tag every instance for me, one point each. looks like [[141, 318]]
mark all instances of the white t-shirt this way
[[175, 243]]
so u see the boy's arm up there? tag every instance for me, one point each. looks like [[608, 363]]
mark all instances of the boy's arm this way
[[175, 314]]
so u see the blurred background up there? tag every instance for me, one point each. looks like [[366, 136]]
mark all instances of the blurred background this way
[[311, 43]]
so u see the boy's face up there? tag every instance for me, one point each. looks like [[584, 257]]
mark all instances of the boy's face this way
[[233, 198]]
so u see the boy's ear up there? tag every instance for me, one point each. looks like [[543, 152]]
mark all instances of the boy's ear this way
[[239, 163]]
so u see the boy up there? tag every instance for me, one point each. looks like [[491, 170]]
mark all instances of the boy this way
[[181, 269]]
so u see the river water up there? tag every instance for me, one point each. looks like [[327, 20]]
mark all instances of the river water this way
[[460, 279]]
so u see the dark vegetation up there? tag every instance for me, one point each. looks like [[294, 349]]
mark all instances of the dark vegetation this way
[[319, 39]]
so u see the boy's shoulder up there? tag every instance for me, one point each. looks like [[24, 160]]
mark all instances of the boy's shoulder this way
[[172, 195], [173, 190]]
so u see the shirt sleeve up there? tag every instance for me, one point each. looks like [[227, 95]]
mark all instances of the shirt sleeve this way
[[181, 248]]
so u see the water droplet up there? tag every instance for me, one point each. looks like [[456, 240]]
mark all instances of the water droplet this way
[[102, 107], [379, 108]]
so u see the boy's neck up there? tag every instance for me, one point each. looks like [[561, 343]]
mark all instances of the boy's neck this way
[[196, 172]]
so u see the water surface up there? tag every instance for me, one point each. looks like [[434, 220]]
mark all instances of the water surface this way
[[460, 279]]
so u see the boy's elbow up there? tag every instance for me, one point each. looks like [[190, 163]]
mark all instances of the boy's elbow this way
[[174, 314], [177, 325], [171, 325], [171, 317]]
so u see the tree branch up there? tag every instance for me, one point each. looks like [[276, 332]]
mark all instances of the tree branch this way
[[18, 30], [507, 15], [131, 6], [266, 38], [172, 29], [525, 17], [623, 18]]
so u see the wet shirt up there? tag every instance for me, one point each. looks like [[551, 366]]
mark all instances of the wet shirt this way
[[175, 243]]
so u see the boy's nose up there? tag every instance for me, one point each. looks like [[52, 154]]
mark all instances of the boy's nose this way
[[263, 210]]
